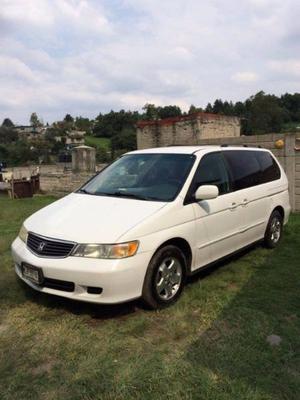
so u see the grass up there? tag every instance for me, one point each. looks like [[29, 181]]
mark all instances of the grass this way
[[291, 127], [98, 142], [210, 345]]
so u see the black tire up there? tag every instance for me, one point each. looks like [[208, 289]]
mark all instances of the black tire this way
[[157, 276], [273, 232]]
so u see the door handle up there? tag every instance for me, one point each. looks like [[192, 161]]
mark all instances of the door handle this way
[[245, 202], [233, 206]]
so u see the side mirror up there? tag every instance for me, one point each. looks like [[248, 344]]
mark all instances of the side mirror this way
[[206, 192]]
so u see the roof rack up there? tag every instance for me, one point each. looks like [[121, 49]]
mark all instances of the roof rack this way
[[224, 145]]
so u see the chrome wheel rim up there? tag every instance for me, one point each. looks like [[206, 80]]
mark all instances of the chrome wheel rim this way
[[275, 230], [168, 278]]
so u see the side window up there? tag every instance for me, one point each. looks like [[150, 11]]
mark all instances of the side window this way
[[244, 167], [268, 167], [212, 171]]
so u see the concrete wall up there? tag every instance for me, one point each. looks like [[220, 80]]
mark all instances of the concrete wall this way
[[186, 130], [297, 175], [60, 183], [288, 156], [55, 179], [59, 180]]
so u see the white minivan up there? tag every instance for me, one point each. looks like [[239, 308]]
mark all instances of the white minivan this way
[[150, 219]]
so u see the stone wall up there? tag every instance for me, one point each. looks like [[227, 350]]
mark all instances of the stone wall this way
[[186, 130], [60, 183], [56, 179]]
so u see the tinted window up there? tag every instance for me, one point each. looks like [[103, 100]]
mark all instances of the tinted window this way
[[268, 167], [212, 171], [244, 167]]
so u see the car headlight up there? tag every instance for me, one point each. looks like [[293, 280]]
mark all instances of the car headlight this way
[[121, 250], [23, 233]]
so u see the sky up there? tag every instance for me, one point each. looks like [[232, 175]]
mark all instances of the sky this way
[[84, 57]]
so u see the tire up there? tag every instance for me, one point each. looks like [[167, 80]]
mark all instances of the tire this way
[[165, 277], [274, 230]]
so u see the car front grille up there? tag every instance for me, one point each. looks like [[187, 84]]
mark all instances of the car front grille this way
[[46, 247]]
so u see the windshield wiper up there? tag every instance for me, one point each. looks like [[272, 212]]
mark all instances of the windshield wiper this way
[[126, 194], [84, 191]]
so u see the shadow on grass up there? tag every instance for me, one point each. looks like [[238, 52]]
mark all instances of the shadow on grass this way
[[235, 350], [95, 311], [101, 311]]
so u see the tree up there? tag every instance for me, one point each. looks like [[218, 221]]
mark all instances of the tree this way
[[169, 112], [264, 114], [150, 111], [209, 108], [291, 104], [7, 123], [8, 135], [113, 123], [83, 124], [69, 119], [126, 140], [194, 109], [34, 120]]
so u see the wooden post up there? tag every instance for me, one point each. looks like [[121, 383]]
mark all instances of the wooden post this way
[[12, 186], [290, 141]]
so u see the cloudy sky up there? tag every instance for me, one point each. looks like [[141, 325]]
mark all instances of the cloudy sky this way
[[83, 57]]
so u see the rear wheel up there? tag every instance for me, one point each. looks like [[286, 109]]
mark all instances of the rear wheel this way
[[274, 230], [165, 277]]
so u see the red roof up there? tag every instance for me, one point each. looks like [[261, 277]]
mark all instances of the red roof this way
[[173, 120]]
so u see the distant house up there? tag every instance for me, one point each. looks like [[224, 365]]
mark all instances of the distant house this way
[[30, 132], [72, 138], [75, 137]]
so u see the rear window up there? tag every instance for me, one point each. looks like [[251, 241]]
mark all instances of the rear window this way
[[268, 166], [244, 167], [251, 168]]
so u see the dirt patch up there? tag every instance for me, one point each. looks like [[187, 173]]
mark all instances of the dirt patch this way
[[44, 368]]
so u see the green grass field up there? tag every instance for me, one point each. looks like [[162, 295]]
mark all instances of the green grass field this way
[[97, 142], [210, 345], [291, 127]]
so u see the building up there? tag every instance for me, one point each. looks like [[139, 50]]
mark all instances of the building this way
[[75, 138], [72, 138], [30, 132], [186, 129]]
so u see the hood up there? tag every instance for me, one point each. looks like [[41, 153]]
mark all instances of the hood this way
[[85, 218]]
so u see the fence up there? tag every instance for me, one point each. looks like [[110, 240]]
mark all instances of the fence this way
[[288, 156], [60, 179]]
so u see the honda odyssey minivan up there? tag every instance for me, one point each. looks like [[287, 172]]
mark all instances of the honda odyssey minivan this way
[[150, 219]]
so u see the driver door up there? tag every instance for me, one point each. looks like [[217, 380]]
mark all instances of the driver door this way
[[219, 220]]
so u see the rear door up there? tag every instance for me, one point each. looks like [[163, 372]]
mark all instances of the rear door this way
[[218, 221]]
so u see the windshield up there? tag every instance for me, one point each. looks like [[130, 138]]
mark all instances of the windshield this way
[[157, 177]]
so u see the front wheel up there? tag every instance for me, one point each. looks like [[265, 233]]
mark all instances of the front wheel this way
[[274, 230], [165, 277]]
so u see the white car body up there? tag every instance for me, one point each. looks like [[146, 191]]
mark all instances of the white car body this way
[[211, 229]]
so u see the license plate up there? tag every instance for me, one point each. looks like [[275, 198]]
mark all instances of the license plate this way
[[33, 274]]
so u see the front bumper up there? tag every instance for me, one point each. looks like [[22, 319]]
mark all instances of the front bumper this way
[[120, 280]]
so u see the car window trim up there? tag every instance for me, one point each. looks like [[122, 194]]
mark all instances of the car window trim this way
[[260, 171], [189, 197]]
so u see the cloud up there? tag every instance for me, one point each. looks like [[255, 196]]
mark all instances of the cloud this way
[[245, 77], [289, 67], [86, 57]]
